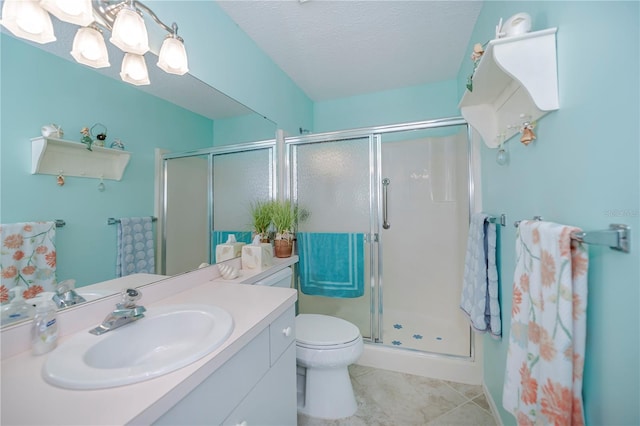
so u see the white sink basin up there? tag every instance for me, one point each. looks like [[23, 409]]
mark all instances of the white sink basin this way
[[166, 339]]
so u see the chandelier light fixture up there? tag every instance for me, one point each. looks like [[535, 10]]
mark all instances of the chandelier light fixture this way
[[29, 19]]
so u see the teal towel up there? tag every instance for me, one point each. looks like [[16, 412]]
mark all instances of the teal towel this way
[[331, 265]]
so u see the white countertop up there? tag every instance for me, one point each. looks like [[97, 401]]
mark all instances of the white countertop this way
[[28, 400]]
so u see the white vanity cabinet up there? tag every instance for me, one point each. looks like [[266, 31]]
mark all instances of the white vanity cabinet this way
[[255, 387]]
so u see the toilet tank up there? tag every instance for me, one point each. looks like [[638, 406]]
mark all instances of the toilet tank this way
[[282, 278]]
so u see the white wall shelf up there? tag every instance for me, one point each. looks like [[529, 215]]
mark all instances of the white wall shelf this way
[[56, 156], [516, 77]]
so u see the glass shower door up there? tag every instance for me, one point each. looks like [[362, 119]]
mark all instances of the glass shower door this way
[[239, 179], [423, 248], [333, 182], [186, 214]]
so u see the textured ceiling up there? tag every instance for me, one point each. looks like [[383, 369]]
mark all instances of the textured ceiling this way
[[338, 48]]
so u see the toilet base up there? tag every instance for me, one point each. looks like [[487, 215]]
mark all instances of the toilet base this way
[[328, 393]]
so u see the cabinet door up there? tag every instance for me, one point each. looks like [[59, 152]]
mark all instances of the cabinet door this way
[[212, 401], [273, 400]]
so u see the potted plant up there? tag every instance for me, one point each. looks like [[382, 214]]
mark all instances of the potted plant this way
[[284, 218], [261, 214]]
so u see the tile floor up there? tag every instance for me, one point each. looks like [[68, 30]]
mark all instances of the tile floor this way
[[387, 398]]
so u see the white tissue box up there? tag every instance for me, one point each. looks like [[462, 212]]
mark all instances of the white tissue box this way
[[257, 257], [228, 251]]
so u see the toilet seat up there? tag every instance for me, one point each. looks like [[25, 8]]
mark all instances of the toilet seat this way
[[316, 331]]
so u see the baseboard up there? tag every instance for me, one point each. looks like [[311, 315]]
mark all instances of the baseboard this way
[[492, 405]]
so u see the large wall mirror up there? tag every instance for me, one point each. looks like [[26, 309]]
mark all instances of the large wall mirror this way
[[40, 85]]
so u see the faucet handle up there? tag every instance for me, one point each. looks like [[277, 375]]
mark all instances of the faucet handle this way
[[130, 296]]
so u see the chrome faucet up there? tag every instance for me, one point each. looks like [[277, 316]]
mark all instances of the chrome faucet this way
[[66, 294], [125, 312]]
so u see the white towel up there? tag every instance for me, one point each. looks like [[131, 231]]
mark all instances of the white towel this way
[[479, 300], [543, 377], [136, 253]]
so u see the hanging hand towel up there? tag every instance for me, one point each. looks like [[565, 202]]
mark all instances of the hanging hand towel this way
[[28, 258], [331, 265], [543, 378], [135, 246], [479, 299]]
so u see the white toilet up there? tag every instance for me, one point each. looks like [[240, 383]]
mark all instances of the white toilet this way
[[325, 347]]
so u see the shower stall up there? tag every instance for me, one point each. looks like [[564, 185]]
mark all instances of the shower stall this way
[[206, 195], [404, 193]]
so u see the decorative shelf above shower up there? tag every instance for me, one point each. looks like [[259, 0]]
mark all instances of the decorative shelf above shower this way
[[52, 156], [516, 80]]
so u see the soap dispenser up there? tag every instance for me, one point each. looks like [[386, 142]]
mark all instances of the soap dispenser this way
[[17, 309], [44, 330]]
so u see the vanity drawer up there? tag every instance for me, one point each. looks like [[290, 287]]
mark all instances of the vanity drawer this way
[[283, 332]]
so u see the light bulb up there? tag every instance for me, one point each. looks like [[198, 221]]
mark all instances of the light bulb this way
[[77, 12], [134, 70], [129, 32], [26, 19], [173, 56], [89, 48]]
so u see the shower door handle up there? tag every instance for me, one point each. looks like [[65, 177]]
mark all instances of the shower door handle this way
[[385, 203]]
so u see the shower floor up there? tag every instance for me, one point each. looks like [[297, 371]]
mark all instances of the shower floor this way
[[416, 331]]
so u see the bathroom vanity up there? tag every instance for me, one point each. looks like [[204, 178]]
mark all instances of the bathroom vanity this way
[[250, 379]]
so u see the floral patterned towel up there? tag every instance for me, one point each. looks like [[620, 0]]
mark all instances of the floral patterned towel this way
[[27, 258], [543, 379]]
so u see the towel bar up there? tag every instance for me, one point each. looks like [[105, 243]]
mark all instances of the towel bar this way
[[502, 220], [113, 221], [617, 237]]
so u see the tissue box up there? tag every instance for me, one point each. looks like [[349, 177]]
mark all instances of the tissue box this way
[[257, 256], [228, 251]]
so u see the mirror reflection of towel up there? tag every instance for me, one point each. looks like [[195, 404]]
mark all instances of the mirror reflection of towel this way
[[136, 253], [331, 265], [28, 257]]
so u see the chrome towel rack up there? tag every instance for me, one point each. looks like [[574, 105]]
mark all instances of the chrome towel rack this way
[[502, 220], [617, 237], [113, 221]]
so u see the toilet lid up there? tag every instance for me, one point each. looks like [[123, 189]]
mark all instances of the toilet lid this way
[[323, 330]]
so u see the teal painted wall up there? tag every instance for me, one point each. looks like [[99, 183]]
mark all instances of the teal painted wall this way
[[244, 128], [431, 101], [39, 88], [582, 170], [223, 56]]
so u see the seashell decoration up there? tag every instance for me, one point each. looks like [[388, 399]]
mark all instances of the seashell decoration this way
[[228, 272]]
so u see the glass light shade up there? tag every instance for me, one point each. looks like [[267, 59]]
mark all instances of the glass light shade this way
[[502, 157], [173, 56], [129, 32], [77, 12], [134, 70], [89, 48], [26, 19]]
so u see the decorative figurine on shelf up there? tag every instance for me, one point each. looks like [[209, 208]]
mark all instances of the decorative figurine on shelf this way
[[101, 136], [527, 133], [478, 50], [117, 144], [52, 131], [60, 179], [86, 138]]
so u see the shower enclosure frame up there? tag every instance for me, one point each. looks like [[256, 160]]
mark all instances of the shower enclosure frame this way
[[210, 153], [374, 134]]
